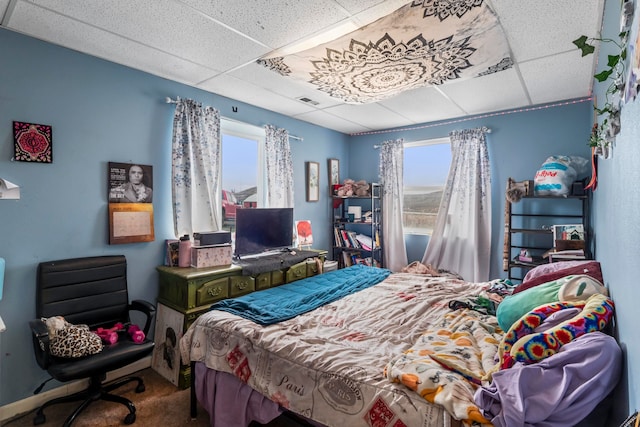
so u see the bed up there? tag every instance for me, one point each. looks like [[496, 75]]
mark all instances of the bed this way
[[393, 349]]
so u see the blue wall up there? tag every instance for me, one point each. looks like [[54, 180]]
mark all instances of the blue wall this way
[[100, 112], [519, 143], [617, 230]]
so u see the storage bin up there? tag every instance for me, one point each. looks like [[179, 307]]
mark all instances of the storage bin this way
[[210, 256], [330, 266]]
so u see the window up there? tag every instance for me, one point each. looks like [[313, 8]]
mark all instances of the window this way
[[426, 167], [242, 168]]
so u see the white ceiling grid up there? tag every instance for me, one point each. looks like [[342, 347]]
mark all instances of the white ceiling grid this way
[[213, 45]]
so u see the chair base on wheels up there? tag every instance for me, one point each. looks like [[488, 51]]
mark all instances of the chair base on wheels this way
[[95, 391]]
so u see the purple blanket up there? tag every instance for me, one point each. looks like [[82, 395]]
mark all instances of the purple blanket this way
[[558, 391]]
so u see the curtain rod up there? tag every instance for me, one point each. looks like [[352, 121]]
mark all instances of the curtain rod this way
[[168, 100], [483, 128]]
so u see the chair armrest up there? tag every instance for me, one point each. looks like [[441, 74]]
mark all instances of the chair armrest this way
[[144, 307], [40, 335]]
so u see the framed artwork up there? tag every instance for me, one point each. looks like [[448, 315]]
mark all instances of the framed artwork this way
[[168, 331], [334, 173], [303, 233], [32, 142], [130, 223], [130, 183], [313, 181]]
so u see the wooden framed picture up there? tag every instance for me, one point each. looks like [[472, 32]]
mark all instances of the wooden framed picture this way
[[313, 181], [334, 173], [130, 223]]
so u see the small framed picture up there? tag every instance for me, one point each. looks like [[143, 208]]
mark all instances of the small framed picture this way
[[334, 173], [313, 181], [32, 142]]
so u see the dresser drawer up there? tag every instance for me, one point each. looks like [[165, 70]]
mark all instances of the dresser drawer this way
[[263, 281], [297, 272], [241, 285], [194, 288], [277, 277], [210, 291], [312, 267]]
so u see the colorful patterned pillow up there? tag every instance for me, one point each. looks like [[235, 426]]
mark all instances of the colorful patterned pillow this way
[[566, 288], [522, 344]]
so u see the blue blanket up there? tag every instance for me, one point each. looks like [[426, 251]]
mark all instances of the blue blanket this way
[[284, 302]]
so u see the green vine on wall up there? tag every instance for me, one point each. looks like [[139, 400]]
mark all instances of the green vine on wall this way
[[606, 128]]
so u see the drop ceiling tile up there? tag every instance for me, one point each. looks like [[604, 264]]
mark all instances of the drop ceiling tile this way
[[373, 116], [331, 121], [286, 86], [494, 92], [240, 90], [546, 27], [422, 105], [369, 11], [167, 26], [559, 77], [275, 23], [3, 8], [58, 29]]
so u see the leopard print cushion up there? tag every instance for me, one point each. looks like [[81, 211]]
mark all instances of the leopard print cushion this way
[[75, 341]]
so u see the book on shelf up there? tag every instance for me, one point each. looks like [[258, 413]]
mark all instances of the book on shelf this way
[[554, 254], [364, 241]]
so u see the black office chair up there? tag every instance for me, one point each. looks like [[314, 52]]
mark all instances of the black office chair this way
[[91, 291]]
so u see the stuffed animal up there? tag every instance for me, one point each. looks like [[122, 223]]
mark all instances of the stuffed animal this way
[[361, 188], [68, 340], [347, 189]]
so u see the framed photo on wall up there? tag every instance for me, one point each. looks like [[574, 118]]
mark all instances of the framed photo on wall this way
[[334, 173], [313, 181], [130, 183]]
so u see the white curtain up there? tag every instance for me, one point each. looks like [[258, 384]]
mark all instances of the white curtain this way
[[461, 239], [196, 157], [392, 182], [279, 168]]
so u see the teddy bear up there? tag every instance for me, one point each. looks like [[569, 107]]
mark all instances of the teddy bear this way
[[347, 188], [361, 188]]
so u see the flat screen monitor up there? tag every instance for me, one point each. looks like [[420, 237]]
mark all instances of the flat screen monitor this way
[[263, 229]]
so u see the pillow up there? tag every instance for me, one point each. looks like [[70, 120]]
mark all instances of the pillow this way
[[555, 270], [522, 344], [567, 288]]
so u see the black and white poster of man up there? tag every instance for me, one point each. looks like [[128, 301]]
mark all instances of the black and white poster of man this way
[[130, 183]]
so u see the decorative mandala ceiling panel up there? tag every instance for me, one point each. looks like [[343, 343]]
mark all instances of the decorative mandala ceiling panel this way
[[427, 42]]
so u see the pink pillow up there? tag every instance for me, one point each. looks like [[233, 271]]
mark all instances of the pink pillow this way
[[555, 270], [552, 267]]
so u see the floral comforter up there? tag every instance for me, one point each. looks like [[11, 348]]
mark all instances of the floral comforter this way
[[328, 364]]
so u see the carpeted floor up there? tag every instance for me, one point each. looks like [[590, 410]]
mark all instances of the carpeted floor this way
[[161, 404]]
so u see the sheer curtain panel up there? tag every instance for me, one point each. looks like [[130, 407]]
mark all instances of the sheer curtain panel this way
[[392, 182], [196, 157], [279, 168], [461, 239]]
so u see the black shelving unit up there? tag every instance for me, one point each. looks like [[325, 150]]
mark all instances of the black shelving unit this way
[[346, 249], [529, 225]]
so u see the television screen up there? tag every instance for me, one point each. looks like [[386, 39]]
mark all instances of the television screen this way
[[263, 229]]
